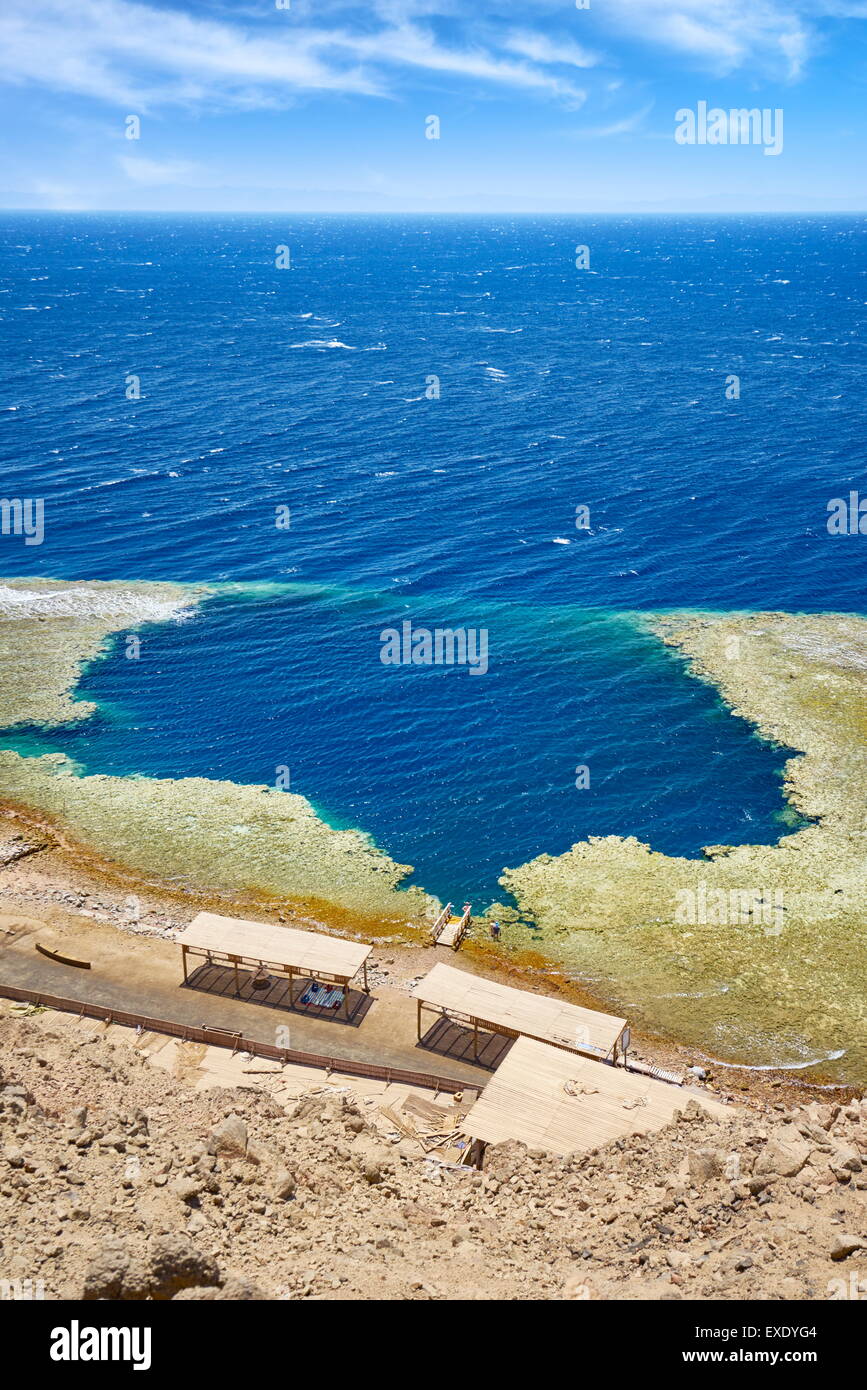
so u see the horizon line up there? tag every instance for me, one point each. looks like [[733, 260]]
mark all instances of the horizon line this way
[[441, 212]]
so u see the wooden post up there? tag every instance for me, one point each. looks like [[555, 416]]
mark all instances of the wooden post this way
[[346, 999], [419, 1019], [237, 980], [366, 985], [476, 1039], [184, 958]]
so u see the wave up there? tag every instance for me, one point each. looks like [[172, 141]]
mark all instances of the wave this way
[[833, 1056], [325, 343], [94, 603]]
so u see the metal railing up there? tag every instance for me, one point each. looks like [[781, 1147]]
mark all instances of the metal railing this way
[[222, 1037], [436, 929]]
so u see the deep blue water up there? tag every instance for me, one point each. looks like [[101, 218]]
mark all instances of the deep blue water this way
[[306, 388]]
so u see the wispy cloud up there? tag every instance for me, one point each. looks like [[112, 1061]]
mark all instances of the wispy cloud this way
[[542, 49], [625, 126], [723, 35], [137, 54]]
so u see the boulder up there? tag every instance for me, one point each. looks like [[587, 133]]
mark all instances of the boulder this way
[[784, 1155], [114, 1273], [844, 1245], [229, 1137], [174, 1264]]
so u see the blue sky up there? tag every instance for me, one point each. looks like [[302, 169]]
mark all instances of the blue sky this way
[[322, 106]]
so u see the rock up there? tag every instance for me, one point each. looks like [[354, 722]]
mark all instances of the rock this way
[[843, 1245], [701, 1165], [174, 1264], [186, 1188], [229, 1137], [678, 1259], [784, 1155], [845, 1158], [114, 1140], [114, 1274], [284, 1185]]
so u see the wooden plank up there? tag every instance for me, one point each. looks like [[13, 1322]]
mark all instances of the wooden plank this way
[[550, 1099]]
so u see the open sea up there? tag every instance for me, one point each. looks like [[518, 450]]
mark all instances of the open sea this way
[[432, 399]]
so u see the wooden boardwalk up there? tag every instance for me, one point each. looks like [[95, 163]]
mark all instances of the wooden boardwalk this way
[[449, 934], [449, 930]]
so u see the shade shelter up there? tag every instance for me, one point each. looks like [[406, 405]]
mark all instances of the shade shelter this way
[[550, 1099], [481, 1003], [310, 955]]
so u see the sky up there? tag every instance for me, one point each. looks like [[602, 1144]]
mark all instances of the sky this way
[[326, 105]]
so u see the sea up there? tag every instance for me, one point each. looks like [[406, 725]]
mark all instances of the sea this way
[[346, 423]]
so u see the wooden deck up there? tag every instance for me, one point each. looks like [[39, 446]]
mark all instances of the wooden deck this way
[[553, 1100]]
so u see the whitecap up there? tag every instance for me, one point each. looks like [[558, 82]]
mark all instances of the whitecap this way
[[92, 603], [325, 343]]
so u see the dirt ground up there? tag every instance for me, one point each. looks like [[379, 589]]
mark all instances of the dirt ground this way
[[131, 1168]]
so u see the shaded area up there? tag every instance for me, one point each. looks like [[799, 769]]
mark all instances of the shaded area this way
[[280, 994], [454, 1040]]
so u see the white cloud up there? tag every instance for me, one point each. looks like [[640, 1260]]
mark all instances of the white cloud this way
[[546, 50], [723, 35], [141, 56]]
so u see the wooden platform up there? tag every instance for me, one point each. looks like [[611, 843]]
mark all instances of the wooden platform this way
[[550, 1099], [485, 1004], [449, 934]]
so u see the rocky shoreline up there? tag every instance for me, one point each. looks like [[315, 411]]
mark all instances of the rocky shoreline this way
[[768, 966]]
